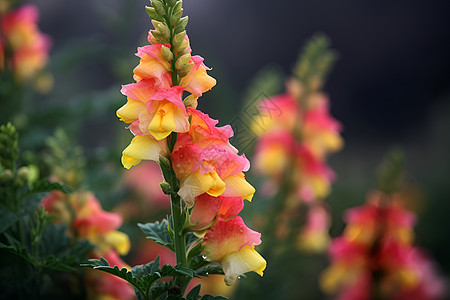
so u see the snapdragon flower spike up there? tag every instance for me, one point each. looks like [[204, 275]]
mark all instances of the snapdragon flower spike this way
[[154, 106], [232, 244], [28, 45]]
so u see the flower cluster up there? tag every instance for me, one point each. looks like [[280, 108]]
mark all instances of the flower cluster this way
[[208, 170], [23, 48], [375, 256], [296, 134], [88, 221], [297, 139]]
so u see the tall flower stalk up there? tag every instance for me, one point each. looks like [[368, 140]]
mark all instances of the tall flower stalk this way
[[296, 134], [203, 173]]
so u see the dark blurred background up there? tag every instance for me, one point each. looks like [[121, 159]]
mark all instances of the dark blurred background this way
[[390, 86]]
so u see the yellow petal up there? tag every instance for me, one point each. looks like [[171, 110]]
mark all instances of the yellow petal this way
[[119, 240], [141, 147], [246, 260], [197, 184], [237, 186], [130, 111], [163, 122]]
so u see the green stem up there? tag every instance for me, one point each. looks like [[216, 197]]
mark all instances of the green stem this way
[[179, 236]]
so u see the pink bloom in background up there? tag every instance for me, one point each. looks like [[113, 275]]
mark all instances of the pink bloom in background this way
[[314, 236], [145, 179], [29, 47], [377, 244], [112, 287]]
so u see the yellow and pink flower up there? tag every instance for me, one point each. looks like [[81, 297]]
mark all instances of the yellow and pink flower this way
[[232, 244], [375, 255], [205, 162], [22, 38]]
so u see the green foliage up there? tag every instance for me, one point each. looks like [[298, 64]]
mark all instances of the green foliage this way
[[65, 160], [315, 62], [30, 245], [144, 277], [390, 172], [158, 233], [9, 149]]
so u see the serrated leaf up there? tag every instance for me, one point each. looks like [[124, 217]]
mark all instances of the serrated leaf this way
[[211, 269], [194, 294], [197, 262], [158, 289], [149, 268], [170, 270], [158, 233]]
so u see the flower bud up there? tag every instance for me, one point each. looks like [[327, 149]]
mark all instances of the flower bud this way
[[166, 53], [190, 101], [183, 72], [178, 38], [182, 62], [182, 47], [164, 162], [159, 7], [23, 173], [6, 176], [166, 188], [176, 17], [159, 37]]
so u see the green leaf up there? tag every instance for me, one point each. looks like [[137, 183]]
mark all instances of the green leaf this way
[[103, 265], [194, 294], [211, 269], [158, 289], [7, 218], [195, 251], [158, 233], [191, 239], [140, 271]]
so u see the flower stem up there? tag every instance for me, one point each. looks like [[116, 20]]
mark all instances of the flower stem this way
[[179, 236]]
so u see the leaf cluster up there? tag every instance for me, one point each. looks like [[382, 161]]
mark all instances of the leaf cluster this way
[[145, 278], [32, 248]]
